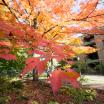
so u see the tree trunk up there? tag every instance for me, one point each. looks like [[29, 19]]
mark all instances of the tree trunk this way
[[35, 26], [35, 75]]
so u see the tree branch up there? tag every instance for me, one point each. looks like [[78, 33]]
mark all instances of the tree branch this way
[[10, 9], [88, 14], [1, 4]]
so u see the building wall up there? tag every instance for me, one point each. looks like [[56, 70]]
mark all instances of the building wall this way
[[99, 40], [92, 63]]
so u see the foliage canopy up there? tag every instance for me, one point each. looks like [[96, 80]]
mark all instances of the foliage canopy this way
[[49, 28]]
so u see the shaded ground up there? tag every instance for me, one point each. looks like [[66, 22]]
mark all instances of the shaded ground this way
[[40, 93], [29, 92]]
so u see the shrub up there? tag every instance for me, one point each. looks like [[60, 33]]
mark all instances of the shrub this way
[[16, 85], [4, 99], [12, 68], [79, 95]]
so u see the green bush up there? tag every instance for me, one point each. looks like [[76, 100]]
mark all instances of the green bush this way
[[7, 86], [22, 97], [4, 99], [80, 66], [16, 85], [4, 82], [101, 68], [79, 95], [12, 68]]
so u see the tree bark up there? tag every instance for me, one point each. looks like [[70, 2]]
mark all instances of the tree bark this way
[[35, 75], [35, 72]]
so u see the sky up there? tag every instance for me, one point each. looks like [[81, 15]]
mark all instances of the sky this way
[[76, 7]]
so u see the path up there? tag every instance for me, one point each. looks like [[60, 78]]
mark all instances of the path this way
[[94, 81]]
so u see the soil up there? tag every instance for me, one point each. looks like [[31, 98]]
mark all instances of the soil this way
[[41, 93]]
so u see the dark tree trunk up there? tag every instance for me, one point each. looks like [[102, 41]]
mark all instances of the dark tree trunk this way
[[35, 75], [35, 26]]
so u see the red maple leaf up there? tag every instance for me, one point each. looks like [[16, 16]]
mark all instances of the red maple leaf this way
[[58, 76], [34, 63], [8, 56]]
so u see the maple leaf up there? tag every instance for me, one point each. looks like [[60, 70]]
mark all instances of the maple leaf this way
[[58, 76], [55, 80], [34, 63], [4, 43], [32, 59], [71, 76], [84, 49], [4, 51], [8, 56], [28, 68], [41, 53], [30, 65], [41, 66]]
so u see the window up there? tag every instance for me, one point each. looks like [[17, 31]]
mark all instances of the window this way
[[103, 42]]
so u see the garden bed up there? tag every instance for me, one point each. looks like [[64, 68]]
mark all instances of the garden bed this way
[[41, 93]]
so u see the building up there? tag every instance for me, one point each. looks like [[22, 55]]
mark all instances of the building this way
[[94, 62]]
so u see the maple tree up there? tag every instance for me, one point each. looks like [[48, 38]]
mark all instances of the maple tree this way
[[49, 28]]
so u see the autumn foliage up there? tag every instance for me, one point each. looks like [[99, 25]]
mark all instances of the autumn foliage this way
[[49, 28]]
